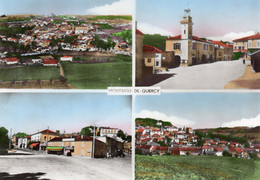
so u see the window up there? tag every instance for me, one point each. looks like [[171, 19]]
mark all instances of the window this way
[[194, 46], [204, 46], [249, 44], [82, 144], [177, 46], [157, 63], [149, 60], [258, 43], [184, 31]]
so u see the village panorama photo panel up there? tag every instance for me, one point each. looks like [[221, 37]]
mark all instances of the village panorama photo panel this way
[[197, 136], [65, 136]]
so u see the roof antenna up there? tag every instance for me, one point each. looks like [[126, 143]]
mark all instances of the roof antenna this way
[[187, 11]]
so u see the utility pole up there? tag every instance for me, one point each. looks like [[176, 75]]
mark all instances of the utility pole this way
[[94, 135]]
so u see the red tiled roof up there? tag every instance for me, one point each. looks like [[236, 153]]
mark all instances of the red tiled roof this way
[[156, 130], [223, 142], [257, 147], [50, 61], [179, 38], [213, 143], [34, 144], [47, 131], [155, 135], [218, 149], [236, 149], [11, 59], [66, 56], [206, 147], [240, 50], [144, 147], [151, 49], [190, 149], [140, 130], [139, 32], [160, 139], [221, 44], [256, 36]]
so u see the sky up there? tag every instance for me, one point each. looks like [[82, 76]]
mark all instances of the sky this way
[[201, 110], [214, 19], [30, 112], [68, 7]]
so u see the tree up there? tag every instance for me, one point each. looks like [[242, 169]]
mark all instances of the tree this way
[[121, 134], [87, 131], [21, 134], [3, 139], [227, 154], [58, 132]]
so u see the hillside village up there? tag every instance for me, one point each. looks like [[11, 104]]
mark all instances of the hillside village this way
[[52, 34], [156, 137], [90, 142]]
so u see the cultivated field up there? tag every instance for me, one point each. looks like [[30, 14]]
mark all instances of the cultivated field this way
[[29, 73], [98, 75], [195, 167]]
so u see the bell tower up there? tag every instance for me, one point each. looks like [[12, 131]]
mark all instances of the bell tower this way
[[186, 25]]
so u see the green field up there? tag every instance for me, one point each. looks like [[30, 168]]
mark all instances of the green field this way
[[99, 75], [29, 73], [195, 167]]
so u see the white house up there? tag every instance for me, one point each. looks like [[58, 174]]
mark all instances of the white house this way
[[12, 60], [111, 132], [66, 58]]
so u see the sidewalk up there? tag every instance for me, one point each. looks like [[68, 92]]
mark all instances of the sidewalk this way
[[250, 80]]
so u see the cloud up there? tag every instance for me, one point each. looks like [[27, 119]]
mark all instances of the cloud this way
[[251, 122], [151, 29], [121, 7], [231, 36], [176, 121]]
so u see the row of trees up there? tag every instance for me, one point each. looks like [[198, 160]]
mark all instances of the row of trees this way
[[201, 136], [103, 45], [89, 131], [151, 122], [3, 139]]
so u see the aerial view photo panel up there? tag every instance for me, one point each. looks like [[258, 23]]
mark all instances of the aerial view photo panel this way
[[65, 44]]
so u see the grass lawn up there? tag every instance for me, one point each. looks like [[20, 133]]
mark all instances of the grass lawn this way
[[29, 73], [99, 75], [195, 167]]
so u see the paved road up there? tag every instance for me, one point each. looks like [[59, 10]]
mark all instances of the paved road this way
[[46, 166], [205, 76]]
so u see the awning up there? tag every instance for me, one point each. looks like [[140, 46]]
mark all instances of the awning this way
[[54, 148], [34, 144]]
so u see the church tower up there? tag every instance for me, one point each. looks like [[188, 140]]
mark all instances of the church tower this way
[[186, 25], [186, 38]]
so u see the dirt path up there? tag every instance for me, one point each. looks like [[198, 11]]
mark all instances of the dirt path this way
[[249, 80]]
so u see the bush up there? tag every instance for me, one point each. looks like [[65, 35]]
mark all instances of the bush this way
[[138, 151], [253, 156], [227, 154], [236, 55]]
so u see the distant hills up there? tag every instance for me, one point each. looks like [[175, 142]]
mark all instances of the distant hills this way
[[151, 122], [252, 134]]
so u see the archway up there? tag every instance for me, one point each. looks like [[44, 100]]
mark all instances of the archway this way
[[194, 61], [211, 59], [177, 61], [204, 58]]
